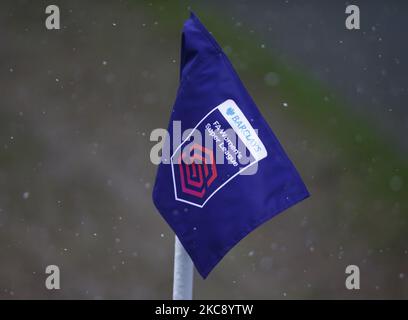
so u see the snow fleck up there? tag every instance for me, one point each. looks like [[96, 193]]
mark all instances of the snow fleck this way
[[104, 62], [285, 104], [162, 235], [114, 24], [401, 275], [251, 253], [26, 195]]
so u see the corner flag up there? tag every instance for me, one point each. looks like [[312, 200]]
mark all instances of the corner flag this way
[[229, 174]]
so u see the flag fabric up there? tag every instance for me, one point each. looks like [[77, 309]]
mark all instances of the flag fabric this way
[[228, 174]]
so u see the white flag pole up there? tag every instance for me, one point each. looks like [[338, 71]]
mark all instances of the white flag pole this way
[[183, 273]]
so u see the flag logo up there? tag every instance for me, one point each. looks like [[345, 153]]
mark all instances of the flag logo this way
[[201, 171], [197, 170]]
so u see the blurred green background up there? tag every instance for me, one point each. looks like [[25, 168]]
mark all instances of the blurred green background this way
[[77, 107]]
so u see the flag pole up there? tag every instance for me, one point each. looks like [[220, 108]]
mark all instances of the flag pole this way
[[183, 273]]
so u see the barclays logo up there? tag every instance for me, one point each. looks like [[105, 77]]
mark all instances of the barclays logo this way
[[230, 111], [245, 128]]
